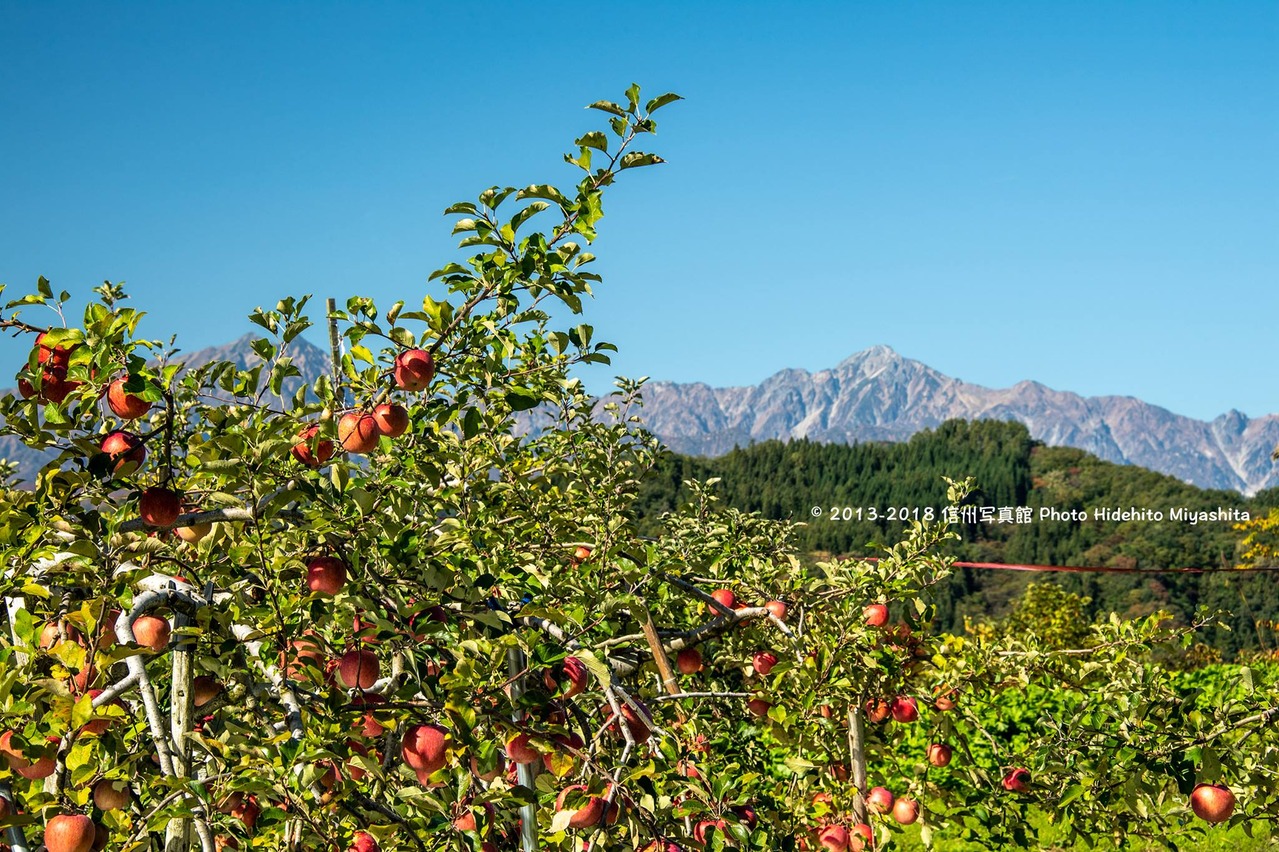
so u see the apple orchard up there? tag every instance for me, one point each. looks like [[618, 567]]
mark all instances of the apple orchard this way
[[243, 612]]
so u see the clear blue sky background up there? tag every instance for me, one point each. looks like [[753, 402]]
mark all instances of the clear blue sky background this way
[[1085, 194]]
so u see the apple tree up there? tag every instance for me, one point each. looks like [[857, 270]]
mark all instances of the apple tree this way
[[405, 605]]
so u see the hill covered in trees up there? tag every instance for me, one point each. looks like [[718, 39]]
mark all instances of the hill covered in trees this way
[[1036, 504]]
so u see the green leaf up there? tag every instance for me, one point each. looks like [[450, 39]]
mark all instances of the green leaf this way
[[527, 213], [521, 399], [82, 712], [596, 667], [1074, 791], [662, 100], [636, 159], [595, 139], [609, 107]]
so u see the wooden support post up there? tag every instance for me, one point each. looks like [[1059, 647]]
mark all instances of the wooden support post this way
[[669, 681], [857, 756]]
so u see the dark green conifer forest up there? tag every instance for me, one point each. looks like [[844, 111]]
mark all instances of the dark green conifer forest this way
[[787, 480]]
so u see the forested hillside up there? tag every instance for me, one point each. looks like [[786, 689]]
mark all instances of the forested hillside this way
[[788, 480]]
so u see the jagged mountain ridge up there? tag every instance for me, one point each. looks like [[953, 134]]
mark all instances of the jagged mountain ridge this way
[[879, 395]]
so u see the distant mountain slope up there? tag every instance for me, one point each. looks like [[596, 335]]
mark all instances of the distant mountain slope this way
[[878, 395]]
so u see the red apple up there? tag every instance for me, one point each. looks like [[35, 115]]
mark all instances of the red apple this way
[[325, 574], [425, 748], [392, 420], [110, 795], [248, 813], [904, 709], [520, 750], [151, 631], [69, 833], [1212, 803], [160, 507], [304, 652], [875, 615], [704, 830], [635, 721], [59, 355], [879, 800], [569, 743], [364, 842], [358, 669], [939, 754], [568, 679], [302, 449], [861, 837], [42, 767], [49, 635], [688, 661], [194, 533], [414, 369], [1017, 780], [123, 404], [725, 597], [204, 689], [946, 701], [877, 710], [763, 662], [777, 609], [587, 814], [125, 449], [906, 811], [758, 707], [833, 838], [358, 432]]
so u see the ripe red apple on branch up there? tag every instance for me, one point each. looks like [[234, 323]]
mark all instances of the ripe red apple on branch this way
[[1017, 780], [391, 419], [688, 661], [1212, 803], [152, 632], [875, 615], [69, 833], [125, 451], [413, 370], [325, 575], [358, 432], [311, 452], [160, 507], [123, 404], [358, 669], [939, 754]]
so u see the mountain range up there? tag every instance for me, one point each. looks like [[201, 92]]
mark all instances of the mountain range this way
[[879, 395]]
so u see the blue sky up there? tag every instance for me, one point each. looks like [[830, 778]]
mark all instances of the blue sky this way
[[1085, 194]]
